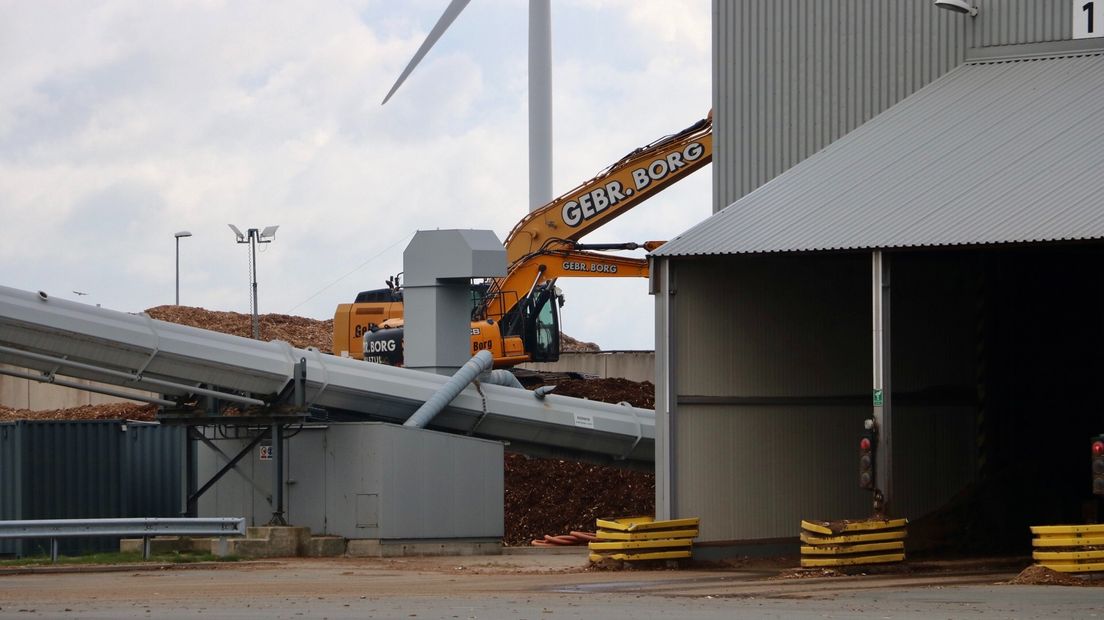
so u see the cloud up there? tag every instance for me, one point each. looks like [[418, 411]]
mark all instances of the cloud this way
[[122, 122]]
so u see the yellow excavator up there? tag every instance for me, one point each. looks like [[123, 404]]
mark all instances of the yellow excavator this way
[[516, 317]]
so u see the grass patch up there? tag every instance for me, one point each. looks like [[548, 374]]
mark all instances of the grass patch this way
[[174, 557]]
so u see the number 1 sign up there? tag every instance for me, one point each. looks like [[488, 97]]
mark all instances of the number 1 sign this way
[[1088, 19]]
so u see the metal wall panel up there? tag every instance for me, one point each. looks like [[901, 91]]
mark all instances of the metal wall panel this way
[[233, 495], [306, 478], [74, 468], [11, 481], [759, 470], [69, 469], [1011, 22], [791, 76], [774, 326], [391, 482], [154, 470], [755, 472]]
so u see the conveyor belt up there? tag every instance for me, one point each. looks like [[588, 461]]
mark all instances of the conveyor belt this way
[[133, 350]]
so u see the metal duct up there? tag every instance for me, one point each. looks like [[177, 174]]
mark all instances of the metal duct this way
[[501, 377], [480, 362]]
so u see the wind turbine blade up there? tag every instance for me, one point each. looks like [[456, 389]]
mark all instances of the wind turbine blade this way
[[439, 28]]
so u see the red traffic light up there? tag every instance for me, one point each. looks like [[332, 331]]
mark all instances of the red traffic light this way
[[1098, 448], [864, 444]]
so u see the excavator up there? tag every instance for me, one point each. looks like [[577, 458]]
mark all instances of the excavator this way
[[516, 317]]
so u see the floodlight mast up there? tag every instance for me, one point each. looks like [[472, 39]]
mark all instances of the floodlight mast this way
[[253, 236], [178, 236]]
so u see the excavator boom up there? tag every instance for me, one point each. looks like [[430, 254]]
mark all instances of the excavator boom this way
[[630, 181]]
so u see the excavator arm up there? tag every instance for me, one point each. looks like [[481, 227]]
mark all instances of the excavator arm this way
[[549, 266], [630, 181]]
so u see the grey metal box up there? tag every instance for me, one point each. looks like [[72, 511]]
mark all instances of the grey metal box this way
[[392, 482], [369, 480]]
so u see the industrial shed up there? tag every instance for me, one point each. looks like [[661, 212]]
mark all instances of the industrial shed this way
[[937, 269]]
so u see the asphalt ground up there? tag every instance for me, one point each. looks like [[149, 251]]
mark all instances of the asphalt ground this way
[[535, 587]]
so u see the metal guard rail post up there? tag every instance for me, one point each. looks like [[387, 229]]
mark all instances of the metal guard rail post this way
[[144, 528]]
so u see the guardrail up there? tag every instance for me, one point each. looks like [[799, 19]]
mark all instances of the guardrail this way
[[132, 528], [852, 543], [643, 538], [1069, 548]]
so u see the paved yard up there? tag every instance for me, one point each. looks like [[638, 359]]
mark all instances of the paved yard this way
[[533, 587]]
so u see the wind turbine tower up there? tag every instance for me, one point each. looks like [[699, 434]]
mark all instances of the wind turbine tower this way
[[540, 90]]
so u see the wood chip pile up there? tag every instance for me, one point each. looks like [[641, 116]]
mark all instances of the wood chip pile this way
[[1042, 576], [298, 331], [549, 496], [110, 411], [636, 393], [571, 345]]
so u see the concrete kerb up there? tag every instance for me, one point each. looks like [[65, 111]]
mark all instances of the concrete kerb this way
[[580, 550], [375, 548], [286, 542], [62, 569]]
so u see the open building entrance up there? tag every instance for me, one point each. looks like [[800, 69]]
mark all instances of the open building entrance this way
[[1018, 333]]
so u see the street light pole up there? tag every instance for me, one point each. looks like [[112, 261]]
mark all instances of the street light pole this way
[[178, 235], [254, 236]]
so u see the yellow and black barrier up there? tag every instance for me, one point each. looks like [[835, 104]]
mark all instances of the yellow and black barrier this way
[[643, 538], [1069, 548], [852, 543]]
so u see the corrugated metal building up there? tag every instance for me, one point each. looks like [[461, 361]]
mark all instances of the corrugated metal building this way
[[73, 469], [886, 168]]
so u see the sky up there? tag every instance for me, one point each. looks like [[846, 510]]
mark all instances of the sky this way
[[123, 122]]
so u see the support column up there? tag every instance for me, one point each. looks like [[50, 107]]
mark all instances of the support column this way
[[278, 475], [883, 459], [191, 472], [662, 288]]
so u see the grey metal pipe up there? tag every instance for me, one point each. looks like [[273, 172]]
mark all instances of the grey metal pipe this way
[[480, 362], [86, 387], [501, 377], [131, 377]]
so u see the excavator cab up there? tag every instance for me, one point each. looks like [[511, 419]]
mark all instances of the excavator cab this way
[[529, 331], [542, 339], [536, 320]]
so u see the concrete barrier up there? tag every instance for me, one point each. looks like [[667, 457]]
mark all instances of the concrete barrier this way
[[20, 393], [631, 365]]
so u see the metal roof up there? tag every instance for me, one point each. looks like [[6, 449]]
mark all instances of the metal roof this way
[[994, 152]]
